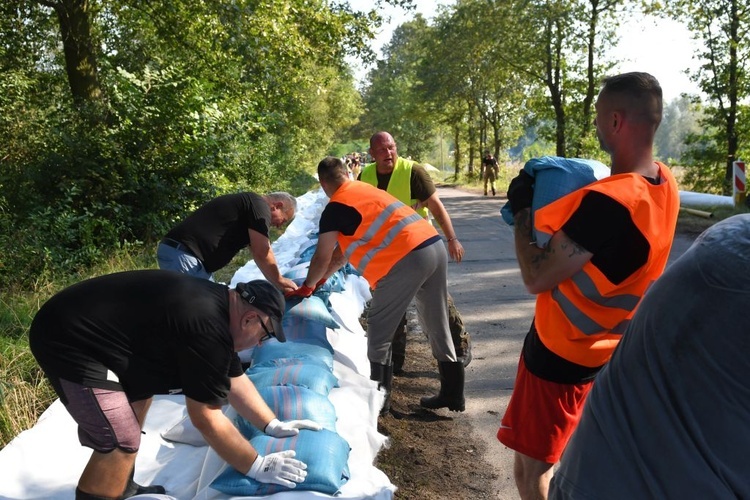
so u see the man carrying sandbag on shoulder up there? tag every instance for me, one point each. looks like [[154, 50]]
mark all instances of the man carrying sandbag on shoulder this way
[[609, 241], [110, 343], [402, 257]]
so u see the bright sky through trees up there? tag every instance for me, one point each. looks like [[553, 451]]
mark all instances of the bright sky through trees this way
[[661, 47]]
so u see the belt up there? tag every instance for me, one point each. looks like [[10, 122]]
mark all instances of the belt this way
[[176, 244]]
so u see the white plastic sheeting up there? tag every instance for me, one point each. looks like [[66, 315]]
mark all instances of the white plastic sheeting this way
[[45, 461]]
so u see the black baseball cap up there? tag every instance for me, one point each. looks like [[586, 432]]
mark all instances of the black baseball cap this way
[[267, 298]]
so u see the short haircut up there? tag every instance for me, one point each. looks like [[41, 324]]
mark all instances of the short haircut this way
[[289, 201], [332, 169], [636, 92]]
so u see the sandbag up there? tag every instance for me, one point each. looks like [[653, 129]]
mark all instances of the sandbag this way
[[312, 308], [292, 403], [555, 177], [325, 453], [272, 350], [309, 376], [298, 329]]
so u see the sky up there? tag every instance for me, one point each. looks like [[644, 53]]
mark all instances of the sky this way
[[660, 47]]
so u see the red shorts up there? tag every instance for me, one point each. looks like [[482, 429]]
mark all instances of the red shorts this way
[[541, 415]]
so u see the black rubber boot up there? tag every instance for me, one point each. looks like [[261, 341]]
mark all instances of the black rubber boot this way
[[398, 348], [133, 489], [451, 388], [82, 495], [383, 375]]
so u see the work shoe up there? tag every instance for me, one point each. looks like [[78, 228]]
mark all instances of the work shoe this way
[[451, 393]]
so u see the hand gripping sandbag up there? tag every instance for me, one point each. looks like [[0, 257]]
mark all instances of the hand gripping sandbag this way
[[324, 452], [292, 403]]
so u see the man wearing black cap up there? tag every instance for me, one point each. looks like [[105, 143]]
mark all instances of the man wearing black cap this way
[[110, 343]]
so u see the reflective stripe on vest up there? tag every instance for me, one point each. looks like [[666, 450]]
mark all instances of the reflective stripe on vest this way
[[384, 216], [584, 316], [389, 230]]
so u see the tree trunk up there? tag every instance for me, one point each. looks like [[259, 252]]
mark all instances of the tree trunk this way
[[80, 58]]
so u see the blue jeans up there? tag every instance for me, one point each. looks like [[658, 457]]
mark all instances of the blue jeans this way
[[182, 261]]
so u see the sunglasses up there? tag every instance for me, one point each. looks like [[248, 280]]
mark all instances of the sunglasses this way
[[269, 334]]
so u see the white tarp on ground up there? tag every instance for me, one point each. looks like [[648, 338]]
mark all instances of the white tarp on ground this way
[[45, 461]]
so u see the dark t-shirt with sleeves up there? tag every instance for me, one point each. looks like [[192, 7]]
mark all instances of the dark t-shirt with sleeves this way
[[219, 229], [420, 183], [603, 227], [145, 332]]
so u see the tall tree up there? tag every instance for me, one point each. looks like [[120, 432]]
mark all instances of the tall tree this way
[[722, 27]]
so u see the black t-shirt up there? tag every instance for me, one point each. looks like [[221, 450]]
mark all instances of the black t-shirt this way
[[158, 332], [420, 182], [219, 229], [605, 228]]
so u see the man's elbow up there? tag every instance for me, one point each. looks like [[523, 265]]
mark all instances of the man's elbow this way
[[537, 284]]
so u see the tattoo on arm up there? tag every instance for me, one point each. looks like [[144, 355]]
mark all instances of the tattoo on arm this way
[[574, 248]]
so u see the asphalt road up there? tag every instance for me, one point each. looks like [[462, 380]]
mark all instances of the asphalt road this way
[[497, 311]]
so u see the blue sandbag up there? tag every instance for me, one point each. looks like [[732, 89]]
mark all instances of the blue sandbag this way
[[298, 329], [312, 308], [309, 376], [554, 177], [300, 360], [325, 453], [272, 349], [290, 402]]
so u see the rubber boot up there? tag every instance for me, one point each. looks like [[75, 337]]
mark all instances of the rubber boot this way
[[398, 348], [133, 488], [451, 388], [383, 375], [82, 495]]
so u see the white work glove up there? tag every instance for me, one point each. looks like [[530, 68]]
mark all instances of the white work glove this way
[[278, 468], [289, 428]]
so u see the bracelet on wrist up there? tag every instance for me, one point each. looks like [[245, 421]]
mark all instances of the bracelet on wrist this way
[[451, 239]]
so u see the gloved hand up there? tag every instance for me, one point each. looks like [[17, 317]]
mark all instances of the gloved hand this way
[[289, 428], [520, 192], [303, 291], [278, 468]]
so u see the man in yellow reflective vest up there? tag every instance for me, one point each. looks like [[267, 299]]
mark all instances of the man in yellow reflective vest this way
[[610, 241], [411, 184], [402, 257]]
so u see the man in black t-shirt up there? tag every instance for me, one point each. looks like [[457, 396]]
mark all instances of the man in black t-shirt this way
[[209, 238], [110, 343]]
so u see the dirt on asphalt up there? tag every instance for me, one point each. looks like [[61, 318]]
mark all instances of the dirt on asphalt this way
[[432, 454]]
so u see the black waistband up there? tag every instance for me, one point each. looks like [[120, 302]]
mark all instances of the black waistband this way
[[176, 244]]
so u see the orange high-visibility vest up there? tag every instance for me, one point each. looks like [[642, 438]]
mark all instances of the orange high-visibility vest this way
[[389, 230], [582, 319]]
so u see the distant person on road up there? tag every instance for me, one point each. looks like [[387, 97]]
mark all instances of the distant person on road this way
[[411, 184], [209, 238], [110, 343], [402, 257], [668, 416], [610, 241], [490, 171]]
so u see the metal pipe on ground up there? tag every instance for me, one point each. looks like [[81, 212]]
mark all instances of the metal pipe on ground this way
[[699, 213]]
